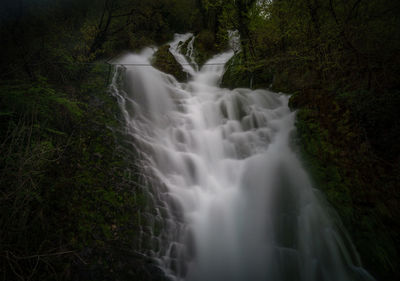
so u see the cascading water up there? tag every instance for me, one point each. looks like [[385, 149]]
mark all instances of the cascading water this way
[[238, 205]]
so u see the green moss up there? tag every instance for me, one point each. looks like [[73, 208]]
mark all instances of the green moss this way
[[204, 46], [166, 62], [238, 74], [208, 44], [184, 46]]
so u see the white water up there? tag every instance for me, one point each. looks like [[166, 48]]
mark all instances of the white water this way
[[236, 201]]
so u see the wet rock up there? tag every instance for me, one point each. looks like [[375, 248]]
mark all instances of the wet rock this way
[[166, 62]]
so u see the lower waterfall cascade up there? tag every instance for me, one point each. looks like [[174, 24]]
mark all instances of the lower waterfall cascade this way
[[235, 201]]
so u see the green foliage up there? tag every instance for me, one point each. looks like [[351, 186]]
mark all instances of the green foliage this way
[[42, 38], [204, 46], [38, 102], [239, 74], [166, 62], [333, 56], [236, 74], [73, 204], [343, 165], [184, 15], [68, 208], [379, 115]]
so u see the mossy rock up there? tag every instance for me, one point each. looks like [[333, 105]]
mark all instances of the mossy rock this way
[[208, 44], [235, 75], [238, 75], [164, 61], [184, 46], [204, 46]]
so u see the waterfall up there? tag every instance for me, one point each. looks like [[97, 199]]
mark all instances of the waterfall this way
[[234, 198]]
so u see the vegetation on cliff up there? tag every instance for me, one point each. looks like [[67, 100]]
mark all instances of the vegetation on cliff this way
[[340, 61], [70, 207], [73, 203]]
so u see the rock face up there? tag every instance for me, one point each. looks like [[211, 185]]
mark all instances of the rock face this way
[[164, 61], [204, 46], [240, 75], [235, 75]]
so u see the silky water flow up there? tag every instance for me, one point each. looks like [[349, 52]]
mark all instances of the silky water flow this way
[[235, 201]]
